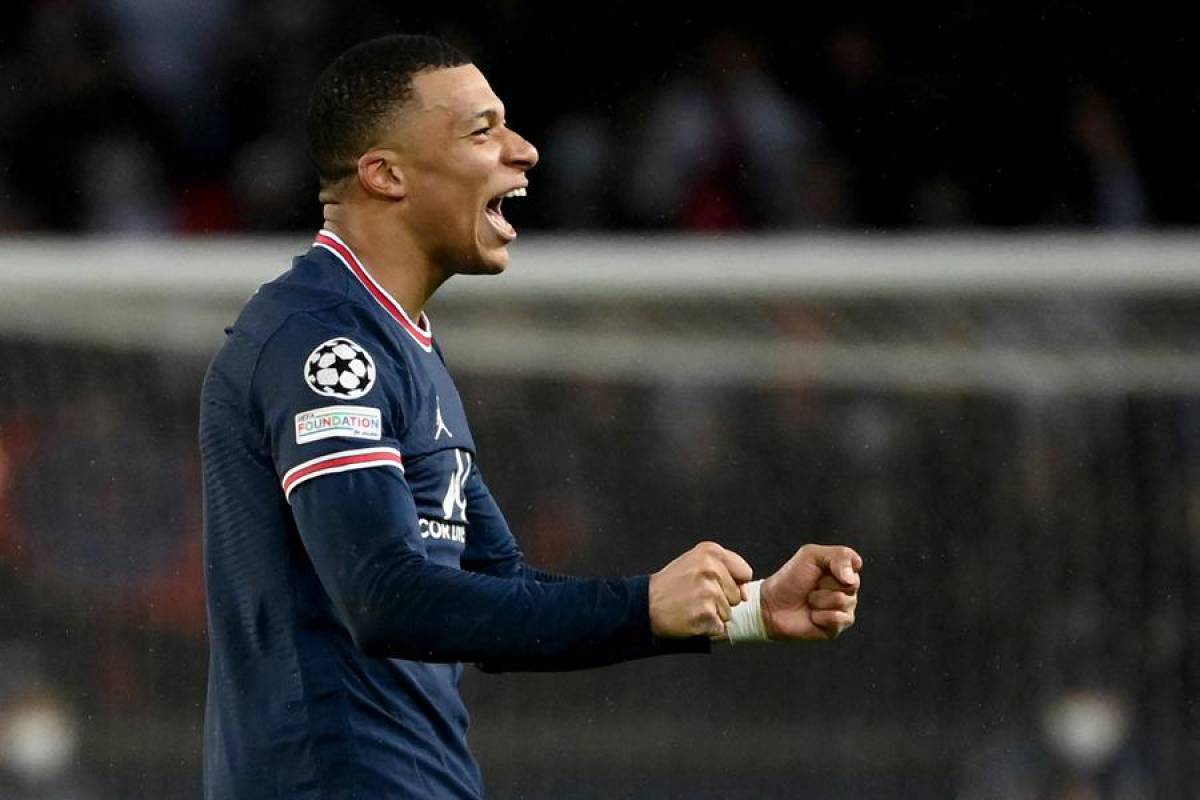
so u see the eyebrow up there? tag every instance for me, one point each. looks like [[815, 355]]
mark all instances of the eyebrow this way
[[488, 114]]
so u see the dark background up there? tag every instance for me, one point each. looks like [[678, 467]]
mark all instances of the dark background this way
[[944, 115]]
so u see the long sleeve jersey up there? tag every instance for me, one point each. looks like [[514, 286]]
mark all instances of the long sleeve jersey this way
[[355, 557]]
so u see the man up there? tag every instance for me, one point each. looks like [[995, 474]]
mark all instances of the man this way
[[354, 554]]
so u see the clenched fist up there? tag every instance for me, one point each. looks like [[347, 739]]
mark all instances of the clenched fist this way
[[814, 595], [694, 594]]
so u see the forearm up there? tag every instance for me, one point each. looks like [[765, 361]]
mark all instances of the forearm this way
[[532, 573], [645, 648], [422, 611], [411, 608], [396, 603], [616, 655]]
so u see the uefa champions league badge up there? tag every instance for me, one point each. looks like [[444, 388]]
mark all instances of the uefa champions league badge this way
[[339, 368]]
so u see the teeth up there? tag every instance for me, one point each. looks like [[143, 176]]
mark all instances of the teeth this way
[[516, 193]]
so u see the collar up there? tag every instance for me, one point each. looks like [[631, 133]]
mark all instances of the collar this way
[[420, 331]]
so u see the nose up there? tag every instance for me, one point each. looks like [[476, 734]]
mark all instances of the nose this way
[[521, 153]]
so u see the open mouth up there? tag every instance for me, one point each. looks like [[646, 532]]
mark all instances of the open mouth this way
[[495, 216]]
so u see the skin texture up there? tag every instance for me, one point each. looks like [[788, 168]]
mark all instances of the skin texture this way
[[416, 212]]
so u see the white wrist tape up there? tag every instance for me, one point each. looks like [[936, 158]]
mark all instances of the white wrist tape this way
[[747, 624]]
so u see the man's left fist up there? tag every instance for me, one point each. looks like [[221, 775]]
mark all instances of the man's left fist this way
[[814, 595]]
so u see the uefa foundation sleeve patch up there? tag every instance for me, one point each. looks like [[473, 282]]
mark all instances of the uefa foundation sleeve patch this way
[[345, 422], [339, 368]]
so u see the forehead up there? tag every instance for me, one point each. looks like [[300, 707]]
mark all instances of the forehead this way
[[455, 94]]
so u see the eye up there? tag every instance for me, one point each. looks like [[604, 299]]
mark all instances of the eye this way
[[484, 131]]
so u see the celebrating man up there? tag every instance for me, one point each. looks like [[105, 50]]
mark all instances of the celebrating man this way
[[354, 554]]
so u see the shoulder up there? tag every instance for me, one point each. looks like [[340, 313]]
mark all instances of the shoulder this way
[[305, 323], [325, 376], [314, 304], [339, 351], [313, 286]]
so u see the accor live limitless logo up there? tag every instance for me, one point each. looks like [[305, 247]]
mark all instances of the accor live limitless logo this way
[[347, 422], [454, 505]]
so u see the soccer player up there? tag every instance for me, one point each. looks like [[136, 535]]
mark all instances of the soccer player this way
[[354, 556]]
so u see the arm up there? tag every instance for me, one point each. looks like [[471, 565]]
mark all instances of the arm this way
[[493, 550], [357, 519], [813, 596], [395, 603]]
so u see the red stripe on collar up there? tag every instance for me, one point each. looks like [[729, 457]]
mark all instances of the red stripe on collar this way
[[420, 331]]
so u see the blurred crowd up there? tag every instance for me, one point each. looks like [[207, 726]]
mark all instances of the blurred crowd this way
[[102, 650], [176, 116]]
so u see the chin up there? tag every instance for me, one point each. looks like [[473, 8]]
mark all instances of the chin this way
[[490, 259], [488, 263], [495, 267]]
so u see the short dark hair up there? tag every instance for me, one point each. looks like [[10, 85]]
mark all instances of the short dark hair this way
[[360, 89]]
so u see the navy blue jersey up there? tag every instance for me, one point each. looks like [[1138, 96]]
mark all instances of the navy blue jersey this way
[[354, 556]]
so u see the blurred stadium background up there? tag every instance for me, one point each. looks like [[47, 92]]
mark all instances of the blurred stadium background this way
[[923, 281]]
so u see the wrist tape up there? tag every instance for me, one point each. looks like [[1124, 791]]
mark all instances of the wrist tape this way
[[747, 624]]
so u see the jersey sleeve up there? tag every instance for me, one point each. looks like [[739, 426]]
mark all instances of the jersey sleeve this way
[[333, 414], [396, 603], [329, 398]]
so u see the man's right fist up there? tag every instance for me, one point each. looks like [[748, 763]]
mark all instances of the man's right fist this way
[[694, 594]]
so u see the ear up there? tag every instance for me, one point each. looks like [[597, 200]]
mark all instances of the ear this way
[[379, 174]]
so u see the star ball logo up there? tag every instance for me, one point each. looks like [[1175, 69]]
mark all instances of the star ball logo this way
[[339, 368]]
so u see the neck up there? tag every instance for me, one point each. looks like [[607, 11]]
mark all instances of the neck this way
[[390, 254]]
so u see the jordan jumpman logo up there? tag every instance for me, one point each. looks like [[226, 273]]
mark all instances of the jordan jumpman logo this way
[[441, 424]]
